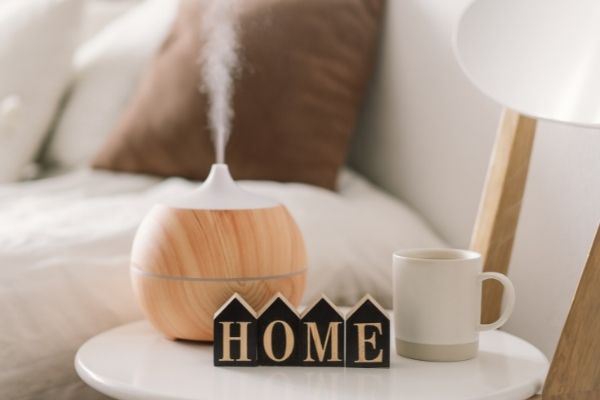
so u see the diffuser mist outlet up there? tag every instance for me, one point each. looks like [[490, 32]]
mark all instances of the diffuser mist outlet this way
[[191, 254]]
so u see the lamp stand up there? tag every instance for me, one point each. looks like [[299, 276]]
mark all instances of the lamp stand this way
[[500, 205], [575, 370]]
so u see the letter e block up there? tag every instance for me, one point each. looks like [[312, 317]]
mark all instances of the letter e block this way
[[322, 335], [367, 335], [235, 330]]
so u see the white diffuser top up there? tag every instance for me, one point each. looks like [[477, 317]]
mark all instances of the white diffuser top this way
[[220, 192]]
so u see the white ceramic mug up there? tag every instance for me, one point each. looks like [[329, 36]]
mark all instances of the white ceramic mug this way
[[437, 303]]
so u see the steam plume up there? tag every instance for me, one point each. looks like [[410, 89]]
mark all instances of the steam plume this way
[[219, 61]]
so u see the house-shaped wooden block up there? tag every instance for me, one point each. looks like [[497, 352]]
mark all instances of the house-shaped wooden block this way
[[322, 335], [367, 335], [235, 330], [278, 333]]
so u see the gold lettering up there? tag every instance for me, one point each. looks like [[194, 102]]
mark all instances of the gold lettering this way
[[268, 340], [362, 341], [227, 339], [332, 333]]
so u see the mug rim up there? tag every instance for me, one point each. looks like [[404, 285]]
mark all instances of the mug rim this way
[[412, 254]]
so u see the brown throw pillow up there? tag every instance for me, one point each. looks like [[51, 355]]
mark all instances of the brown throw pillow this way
[[305, 65]]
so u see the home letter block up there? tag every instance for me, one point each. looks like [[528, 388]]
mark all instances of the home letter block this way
[[278, 333], [322, 335], [367, 335], [235, 329]]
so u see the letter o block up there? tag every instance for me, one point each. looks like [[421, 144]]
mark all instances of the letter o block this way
[[278, 333]]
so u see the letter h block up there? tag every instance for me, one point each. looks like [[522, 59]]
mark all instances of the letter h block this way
[[367, 335], [235, 330], [322, 335]]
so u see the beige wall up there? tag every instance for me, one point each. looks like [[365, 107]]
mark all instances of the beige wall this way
[[427, 135]]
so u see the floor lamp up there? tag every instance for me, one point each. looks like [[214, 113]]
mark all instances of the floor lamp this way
[[540, 59]]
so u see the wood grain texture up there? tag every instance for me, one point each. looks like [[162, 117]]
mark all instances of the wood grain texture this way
[[187, 263], [575, 370], [500, 205]]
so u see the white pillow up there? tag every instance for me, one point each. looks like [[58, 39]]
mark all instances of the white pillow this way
[[37, 40], [10, 116], [97, 14], [108, 68], [350, 236]]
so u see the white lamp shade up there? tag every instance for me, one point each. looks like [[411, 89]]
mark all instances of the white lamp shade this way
[[538, 57]]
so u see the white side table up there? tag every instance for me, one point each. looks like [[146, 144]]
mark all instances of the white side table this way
[[135, 362]]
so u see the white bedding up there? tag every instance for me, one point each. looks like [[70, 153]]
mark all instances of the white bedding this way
[[64, 248]]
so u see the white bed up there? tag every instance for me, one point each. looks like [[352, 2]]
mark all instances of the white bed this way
[[65, 238], [64, 248]]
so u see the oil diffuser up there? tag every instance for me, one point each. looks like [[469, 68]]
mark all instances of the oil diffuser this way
[[192, 253]]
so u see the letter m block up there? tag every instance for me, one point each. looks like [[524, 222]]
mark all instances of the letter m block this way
[[322, 335]]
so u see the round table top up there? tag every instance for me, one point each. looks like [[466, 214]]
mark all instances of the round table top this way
[[135, 362]]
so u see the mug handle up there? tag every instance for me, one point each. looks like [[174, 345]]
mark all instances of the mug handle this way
[[509, 293]]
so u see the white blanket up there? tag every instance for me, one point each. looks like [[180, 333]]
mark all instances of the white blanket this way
[[64, 249]]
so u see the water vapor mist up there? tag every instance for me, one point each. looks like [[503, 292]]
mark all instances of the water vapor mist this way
[[218, 63]]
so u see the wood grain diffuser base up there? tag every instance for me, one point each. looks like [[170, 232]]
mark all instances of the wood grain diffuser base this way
[[191, 254]]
